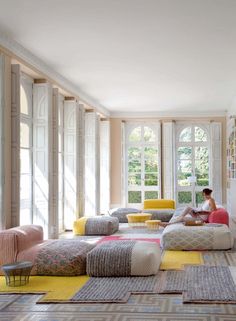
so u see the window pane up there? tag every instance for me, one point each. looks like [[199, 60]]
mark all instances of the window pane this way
[[150, 153], [149, 135], [25, 187], [134, 152], [150, 166], [202, 178], [184, 171], [24, 105], [135, 135], [134, 166], [184, 197], [25, 216], [202, 153], [134, 196], [184, 152], [200, 135], [134, 180], [185, 135], [25, 164], [202, 166], [24, 135], [151, 180], [151, 195], [199, 198]]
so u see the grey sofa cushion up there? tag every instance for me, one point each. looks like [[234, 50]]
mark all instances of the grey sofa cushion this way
[[121, 213], [163, 215]]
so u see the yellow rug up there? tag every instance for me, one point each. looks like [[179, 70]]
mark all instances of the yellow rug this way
[[175, 260], [63, 288], [56, 288]]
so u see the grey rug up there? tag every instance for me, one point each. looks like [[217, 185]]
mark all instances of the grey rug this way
[[231, 258], [206, 284], [172, 282], [116, 289], [200, 284], [215, 258]]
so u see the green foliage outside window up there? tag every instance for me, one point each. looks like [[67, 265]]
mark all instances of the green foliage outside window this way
[[150, 195], [184, 197], [199, 198], [134, 197]]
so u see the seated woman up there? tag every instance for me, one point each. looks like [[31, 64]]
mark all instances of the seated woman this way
[[201, 214]]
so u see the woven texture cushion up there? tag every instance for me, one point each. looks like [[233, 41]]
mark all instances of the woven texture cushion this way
[[124, 258], [163, 215], [121, 213], [100, 225], [206, 237], [62, 257]]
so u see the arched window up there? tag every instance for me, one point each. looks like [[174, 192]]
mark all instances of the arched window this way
[[143, 164], [193, 172]]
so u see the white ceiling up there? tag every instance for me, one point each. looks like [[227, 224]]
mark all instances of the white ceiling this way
[[166, 56]]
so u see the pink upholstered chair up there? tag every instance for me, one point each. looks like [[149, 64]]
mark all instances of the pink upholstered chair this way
[[219, 216], [20, 243]]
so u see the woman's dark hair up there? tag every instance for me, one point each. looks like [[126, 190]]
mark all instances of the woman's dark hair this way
[[207, 191]]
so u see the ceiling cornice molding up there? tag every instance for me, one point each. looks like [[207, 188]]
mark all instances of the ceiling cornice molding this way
[[169, 114], [31, 60]]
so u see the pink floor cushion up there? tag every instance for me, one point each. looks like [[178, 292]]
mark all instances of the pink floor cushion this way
[[219, 216]]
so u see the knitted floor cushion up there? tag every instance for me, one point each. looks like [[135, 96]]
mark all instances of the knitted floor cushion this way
[[124, 258], [99, 225], [207, 237], [61, 258]]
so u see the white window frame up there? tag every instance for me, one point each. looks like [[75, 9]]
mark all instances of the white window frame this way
[[129, 127], [193, 188]]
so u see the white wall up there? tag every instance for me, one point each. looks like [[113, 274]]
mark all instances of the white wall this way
[[231, 183]]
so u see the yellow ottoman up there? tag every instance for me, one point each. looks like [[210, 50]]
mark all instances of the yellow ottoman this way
[[153, 224], [136, 220]]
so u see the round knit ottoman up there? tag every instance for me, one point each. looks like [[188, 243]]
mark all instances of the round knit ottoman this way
[[124, 258], [138, 220], [153, 224]]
